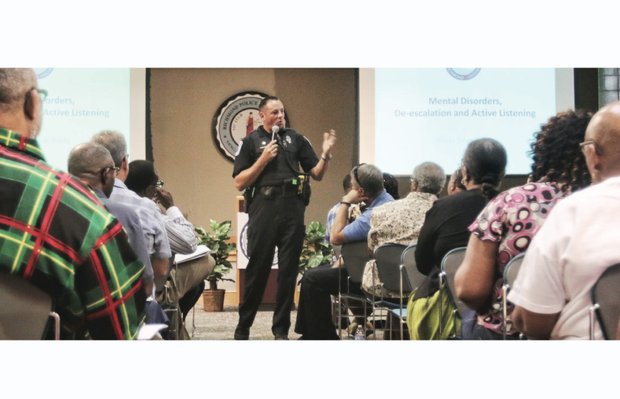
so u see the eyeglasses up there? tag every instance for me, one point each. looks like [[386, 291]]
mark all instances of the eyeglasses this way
[[588, 142], [159, 183], [357, 179], [104, 171]]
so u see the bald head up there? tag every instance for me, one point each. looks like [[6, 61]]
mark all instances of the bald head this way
[[603, 157], [20, 103], [14, 84], [87, 161]]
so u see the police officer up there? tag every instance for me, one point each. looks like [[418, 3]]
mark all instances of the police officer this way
[[267, 167]]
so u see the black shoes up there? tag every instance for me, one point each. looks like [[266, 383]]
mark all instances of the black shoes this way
[[242, 334]]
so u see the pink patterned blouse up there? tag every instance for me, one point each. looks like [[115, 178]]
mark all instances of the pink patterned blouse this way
[[512, 219]]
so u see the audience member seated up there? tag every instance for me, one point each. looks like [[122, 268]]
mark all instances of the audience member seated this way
[[508, 223], [399, 222], [391, 185], [354, 209], [575, 245], [186, 281], [152, 221], [93, 165], [314, 319], [55, 233], [445, 225], [455, 184]]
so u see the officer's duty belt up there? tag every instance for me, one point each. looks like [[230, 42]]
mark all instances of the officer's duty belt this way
[[282, 189]]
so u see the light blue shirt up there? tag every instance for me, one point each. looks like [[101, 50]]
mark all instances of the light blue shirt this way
[[331, 215], [130, 219], [151, 218], [359, 228]]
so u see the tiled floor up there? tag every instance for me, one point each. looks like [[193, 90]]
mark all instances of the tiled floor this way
[[221, 325]]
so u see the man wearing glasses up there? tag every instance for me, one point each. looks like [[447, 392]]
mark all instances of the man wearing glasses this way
[[93, 165], [185, 282], [267, 166], [55, 233], [152, 221], [576, 244]]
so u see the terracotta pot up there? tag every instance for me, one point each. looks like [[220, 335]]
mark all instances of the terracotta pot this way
[[213, 300]]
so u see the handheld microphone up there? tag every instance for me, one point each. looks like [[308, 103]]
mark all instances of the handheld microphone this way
[[274, 130]]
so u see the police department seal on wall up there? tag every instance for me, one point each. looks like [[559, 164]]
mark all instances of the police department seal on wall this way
[[234, 119], [463, 73]]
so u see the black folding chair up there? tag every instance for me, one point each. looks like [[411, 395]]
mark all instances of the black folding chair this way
[[510, 275], [606, 303], [388, 258], [410, 279], [25, 310], [449, 265], [354, 255]]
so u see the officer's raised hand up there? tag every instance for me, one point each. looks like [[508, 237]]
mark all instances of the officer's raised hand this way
[[270, 151], [329, 140]]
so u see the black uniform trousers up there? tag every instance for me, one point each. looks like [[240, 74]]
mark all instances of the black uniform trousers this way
[[314, 314], [275, 220]]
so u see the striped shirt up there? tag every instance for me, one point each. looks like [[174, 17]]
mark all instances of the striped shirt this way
[[180, 232], [57, 234]]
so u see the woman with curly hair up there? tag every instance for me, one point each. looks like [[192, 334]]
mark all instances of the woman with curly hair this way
[[508, 223]]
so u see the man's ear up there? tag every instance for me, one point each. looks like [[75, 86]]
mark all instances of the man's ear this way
[[594, 164], [29, 105]]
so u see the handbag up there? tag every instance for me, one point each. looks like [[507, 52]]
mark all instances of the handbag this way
[[432, 317]]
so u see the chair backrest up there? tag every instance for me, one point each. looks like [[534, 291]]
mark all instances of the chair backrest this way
[[25, 309], [512, 269], [388, 258], [337, 250], [413, 277], [355, 255], [449, 265], [606, 294]]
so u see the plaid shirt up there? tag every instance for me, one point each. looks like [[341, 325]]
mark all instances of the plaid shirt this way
[[55, 233]]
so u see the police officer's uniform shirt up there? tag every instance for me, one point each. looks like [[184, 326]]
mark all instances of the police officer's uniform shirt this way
[[294, 146]]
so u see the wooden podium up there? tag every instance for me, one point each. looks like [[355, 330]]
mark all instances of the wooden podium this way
[[269, 297]]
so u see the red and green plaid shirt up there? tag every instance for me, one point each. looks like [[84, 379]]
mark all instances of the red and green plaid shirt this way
[[55, 233]]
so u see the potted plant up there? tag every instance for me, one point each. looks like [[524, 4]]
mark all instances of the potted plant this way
[[315, 250], [218, 240]]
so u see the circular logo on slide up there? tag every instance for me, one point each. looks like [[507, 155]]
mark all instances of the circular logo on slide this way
[[463, 73], [43, 72], [244, 244]]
